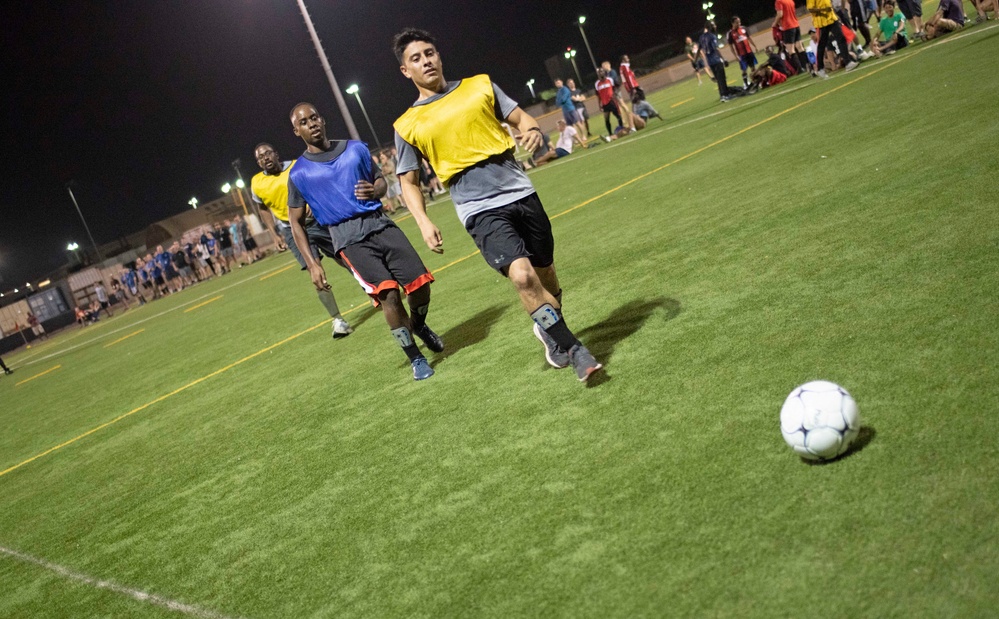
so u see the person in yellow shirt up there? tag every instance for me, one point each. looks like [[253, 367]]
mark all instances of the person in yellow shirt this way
[[825, 21], [269, 189], [457, 127]]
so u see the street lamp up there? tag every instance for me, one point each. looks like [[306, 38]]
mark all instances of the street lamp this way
[[193, 202], [355, 90], [347, 120], [72, 197], [73, 246], [238, 199], [570, 55], [582, 20], [530, 84]]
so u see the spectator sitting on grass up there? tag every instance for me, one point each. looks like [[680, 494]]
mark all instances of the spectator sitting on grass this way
[[767, 76], [948, 18], [642, 108], [982, 7], [566, 136], [892, 27]]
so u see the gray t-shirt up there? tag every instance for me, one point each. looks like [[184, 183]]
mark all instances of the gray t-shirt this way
[[355, 229], [489, 184]]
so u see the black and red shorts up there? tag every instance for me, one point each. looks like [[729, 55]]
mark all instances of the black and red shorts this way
[[386, 260]]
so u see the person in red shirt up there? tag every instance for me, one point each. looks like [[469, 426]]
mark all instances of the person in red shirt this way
[[628, 79], [608, 103], [790, 30], [743, 48], [767, 76]]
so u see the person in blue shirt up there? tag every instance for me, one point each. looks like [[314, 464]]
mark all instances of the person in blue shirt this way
[[708, 42], [341, 187], [563, 98]]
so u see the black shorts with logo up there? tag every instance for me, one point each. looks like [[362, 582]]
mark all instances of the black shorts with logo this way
[[520, 229], [386, 260]]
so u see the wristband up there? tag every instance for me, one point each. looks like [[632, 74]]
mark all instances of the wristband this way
[[538, 129]]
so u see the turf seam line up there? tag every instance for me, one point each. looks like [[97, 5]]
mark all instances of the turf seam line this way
[[135, 594], [269, 275], [52, 369], [204, 303], [122, 339], [678, 104]]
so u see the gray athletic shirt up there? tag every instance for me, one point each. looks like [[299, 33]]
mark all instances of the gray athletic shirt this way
[[489, 184]]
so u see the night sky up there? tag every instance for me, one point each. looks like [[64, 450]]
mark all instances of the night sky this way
[[146, 104]]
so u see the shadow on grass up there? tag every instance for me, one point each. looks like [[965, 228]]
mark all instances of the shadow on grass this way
[[864, 438], [603, 337], [356, 320], [469, 332]]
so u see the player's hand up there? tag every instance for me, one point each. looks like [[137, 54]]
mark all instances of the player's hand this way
[[318, 277], [432, 237], [530, 140], [364, 190]]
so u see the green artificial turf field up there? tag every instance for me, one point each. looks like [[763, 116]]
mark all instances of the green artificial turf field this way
[[233, 460]]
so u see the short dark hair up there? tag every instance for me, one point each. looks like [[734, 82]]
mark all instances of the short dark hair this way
[[257, 147], [402, 40], [298, 105], [734, 17]]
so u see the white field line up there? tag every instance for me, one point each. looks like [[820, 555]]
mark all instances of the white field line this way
[[757, 100], [135, 594], [139, 322]]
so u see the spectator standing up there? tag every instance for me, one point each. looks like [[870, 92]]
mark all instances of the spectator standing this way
[[913, 12], [36, 326], [102, 298], [579, 100], [828, 25], [743, 49], [790, 32], [616, 80], [563, 97], [708, 42], [608, 104], [628, 78], [387, 165], [693, 52]]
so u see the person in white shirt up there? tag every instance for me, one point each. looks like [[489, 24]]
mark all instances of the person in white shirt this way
[[566, 136]]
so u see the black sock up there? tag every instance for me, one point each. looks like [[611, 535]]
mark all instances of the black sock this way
[[802, 60], [405, 340], [548, 319], [418, 316]]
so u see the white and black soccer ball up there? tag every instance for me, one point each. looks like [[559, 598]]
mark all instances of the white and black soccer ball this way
[[819, 420]]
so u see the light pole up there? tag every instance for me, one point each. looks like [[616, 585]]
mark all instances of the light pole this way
[[69, 188], [193, 202], [530, 85], [355, 90], [570, 55], [239, 185], [351, 129], [582, 20]]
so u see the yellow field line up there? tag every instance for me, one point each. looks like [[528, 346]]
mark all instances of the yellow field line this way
[[53, 369], [212, 300], [293, 264], [450, 264], [122, 339], [681, 103]]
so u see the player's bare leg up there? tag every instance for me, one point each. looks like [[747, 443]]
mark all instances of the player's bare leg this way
[[402, 330], [561, 346]]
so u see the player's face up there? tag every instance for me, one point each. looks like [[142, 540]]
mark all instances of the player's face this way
[[309, 125], [422, 64], [571, 84], [737, 23], [558, 83], [890, 9], [267, 159]]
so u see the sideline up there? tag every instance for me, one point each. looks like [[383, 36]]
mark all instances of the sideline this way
[[135, 594], [462, 259]]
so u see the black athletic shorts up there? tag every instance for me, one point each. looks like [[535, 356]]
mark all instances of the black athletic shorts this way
[[159, 280], [611, 107], [910, 8], [386, 260], [518, 230], [249, 243], [320, 242], [790, 37]]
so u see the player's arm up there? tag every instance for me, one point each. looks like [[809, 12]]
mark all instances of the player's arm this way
[[374, 189], [780, 15], [530, 136], [296, 218], [410, 183], [731, 47]]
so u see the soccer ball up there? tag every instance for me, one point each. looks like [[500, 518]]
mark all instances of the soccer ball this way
[[819, 420]]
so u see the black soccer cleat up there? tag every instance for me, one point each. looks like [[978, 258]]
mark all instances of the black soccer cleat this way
[[430, 339]]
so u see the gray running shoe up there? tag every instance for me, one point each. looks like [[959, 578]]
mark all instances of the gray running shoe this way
[[421, 369], [583, 362], [557, 358]]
